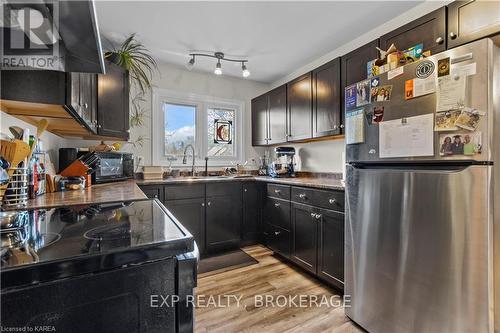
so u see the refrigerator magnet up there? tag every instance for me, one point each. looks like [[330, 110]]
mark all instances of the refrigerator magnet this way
[[408, 89], [443, 67], [424, 69], [363, 93], [460, 144], [369, 117], [378, 114], [469, 119], [383, 94], [445, 120], [350, 97]]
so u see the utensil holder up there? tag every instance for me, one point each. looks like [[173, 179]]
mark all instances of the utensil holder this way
[[16, 194]]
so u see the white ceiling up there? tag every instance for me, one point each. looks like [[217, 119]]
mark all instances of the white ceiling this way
[[276, 37]]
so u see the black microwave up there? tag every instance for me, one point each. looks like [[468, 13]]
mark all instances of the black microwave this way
[[113, 166]]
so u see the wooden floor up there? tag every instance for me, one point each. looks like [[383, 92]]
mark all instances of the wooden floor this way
[[269, 277]]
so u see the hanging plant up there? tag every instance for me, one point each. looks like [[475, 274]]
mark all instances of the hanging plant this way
[[134, 57], [139, 114]]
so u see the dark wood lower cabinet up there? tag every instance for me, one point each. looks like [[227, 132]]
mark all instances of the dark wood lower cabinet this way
[[318, 242], [277, 212], [223, 221], [191, 214], [291, 221], [250, 224], [153, 192], [331, 247], [304, 236], [277, 239]]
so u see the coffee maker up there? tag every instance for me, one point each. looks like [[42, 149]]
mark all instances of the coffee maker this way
[[284, 164]]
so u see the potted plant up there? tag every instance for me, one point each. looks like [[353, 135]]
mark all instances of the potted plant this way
[[134, 57]]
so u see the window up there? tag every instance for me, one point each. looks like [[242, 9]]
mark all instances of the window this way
[[212, 125], [179, 128], [220, 132]]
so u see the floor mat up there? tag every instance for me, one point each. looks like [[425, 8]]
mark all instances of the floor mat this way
[[224, 262]]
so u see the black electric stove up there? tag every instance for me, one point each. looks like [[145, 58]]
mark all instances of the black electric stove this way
[[48, 244], [96, 268]]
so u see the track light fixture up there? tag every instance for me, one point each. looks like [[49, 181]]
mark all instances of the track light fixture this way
[[218, 67], [244, 71], [190, 64]]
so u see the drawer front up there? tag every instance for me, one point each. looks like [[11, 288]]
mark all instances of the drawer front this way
[[277, 212], [153, 191], [278, 239], [278, 191], [333, 200], [224, 189], [188, 191]]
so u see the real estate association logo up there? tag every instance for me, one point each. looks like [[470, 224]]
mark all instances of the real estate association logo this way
[[29, 36]]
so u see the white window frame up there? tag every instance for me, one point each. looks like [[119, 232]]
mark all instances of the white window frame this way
[[160, 97]]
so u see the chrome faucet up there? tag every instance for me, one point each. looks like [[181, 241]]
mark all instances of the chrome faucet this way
[[184, 158]]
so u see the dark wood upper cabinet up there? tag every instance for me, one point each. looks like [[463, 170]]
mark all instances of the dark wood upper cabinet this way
[[260, 131], [353, 65], [327, 112], [430, 30], [82, 96], [277, 115], [472, 20], [113, 102], [299, 100]]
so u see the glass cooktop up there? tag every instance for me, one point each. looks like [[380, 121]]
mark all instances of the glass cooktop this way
[[90, 236]]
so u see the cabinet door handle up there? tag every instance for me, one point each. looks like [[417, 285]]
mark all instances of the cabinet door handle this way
[[209, 203], [453, 35], [335, 127], [245, 190], [277, 191], [277, 205], [318, 216], [202, 204], [277, 233], [440, 40], [86, 105], [332, 201], [313, 215], [302, 195], [341, 125]]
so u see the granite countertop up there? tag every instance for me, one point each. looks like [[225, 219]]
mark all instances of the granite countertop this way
[[98, 193], [129, 189], [315, 182], [330, 183]]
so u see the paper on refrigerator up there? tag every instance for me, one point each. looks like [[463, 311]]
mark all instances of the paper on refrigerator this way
[[450, 92], [407, 137], [355, 126]]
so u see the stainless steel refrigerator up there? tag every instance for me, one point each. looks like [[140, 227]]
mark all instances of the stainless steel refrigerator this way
[[422, 239]]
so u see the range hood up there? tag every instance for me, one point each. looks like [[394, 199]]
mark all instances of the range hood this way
[[67, 40]]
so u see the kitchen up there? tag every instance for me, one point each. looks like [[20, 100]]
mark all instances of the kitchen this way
[[164, 173]]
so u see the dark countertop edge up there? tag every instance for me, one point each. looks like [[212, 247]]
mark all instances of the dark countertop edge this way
[[33, 274], [329, 184]]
